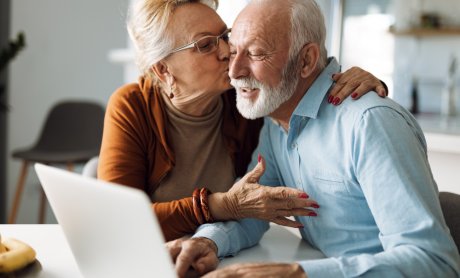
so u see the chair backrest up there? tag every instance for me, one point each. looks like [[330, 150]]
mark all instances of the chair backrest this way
[[450, 204], [90, 168], [72, 126]]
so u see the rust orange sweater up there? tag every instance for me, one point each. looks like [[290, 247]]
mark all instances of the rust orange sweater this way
[[135, 150]]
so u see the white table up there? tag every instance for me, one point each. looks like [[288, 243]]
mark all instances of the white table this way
[[55, 258]]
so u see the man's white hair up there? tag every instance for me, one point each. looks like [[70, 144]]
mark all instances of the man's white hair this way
[[148, 28], [307, 25]]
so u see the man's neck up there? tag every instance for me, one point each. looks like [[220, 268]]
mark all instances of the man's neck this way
[[283, 114]]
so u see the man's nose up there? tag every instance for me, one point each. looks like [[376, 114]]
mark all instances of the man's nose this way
[[238, 67]]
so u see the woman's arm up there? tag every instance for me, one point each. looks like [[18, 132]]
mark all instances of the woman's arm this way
[[355, 82]]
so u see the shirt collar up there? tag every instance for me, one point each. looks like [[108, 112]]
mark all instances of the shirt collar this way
[[311, 101]]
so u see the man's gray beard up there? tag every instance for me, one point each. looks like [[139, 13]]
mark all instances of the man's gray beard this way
[[269, 98]]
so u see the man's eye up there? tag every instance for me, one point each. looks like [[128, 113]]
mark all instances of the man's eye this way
[[257, 56]]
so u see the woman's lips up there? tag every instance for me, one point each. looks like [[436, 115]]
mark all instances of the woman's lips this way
[[248, 92]]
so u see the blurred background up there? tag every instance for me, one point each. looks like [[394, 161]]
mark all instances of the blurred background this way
[[80, 50]]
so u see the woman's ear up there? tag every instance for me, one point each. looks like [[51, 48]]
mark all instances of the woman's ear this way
[[161, 71], [309, 56]]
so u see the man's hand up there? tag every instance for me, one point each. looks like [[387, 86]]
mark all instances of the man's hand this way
[[200, 254], [355, 82], [175, 246], [248, 199], [261, 270]]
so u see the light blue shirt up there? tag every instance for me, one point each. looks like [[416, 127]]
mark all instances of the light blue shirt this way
[[365, 163]]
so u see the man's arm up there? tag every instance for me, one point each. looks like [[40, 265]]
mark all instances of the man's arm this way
[[389, 154], [233, 236]]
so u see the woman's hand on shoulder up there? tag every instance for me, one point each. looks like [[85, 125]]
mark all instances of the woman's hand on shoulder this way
[[355, 82]]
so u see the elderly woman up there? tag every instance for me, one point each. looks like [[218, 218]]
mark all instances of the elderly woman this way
[[177, 134]]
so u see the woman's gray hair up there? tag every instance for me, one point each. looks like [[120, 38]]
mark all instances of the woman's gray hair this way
[[147, 26], [307, 25]]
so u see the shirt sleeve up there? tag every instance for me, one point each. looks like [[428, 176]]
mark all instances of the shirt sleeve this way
[[390, 160], [233, 236]]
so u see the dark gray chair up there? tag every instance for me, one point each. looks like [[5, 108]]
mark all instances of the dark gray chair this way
[[450, 204], [71, 134]]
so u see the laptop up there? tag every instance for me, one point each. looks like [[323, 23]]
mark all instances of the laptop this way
[[110, 228]]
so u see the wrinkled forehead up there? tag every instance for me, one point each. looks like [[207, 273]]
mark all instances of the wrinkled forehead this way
[[261, 23]]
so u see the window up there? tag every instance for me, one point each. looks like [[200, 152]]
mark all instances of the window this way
[[366, 41]]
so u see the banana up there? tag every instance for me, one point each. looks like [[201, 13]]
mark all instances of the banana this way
[[2, 248], [17, 255]]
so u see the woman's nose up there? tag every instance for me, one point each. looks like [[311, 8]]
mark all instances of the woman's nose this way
[[223, 50]]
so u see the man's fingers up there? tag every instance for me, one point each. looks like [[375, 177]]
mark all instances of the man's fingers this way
[[206, 264], [257, 172], [174, 251], [185, 260]]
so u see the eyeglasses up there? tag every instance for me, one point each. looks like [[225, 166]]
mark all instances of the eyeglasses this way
[[205, 44]]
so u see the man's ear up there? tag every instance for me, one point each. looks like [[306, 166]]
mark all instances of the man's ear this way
[[309, 56], [161, 71]]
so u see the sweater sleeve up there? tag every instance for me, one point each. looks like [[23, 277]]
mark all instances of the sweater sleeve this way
[[126, 153]]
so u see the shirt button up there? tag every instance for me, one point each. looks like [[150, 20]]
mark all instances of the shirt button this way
[[294, 145]]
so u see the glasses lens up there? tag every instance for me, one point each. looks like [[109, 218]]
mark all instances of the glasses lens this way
[[206, 44], [225, 36]]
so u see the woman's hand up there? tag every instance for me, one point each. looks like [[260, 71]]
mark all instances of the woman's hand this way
[[355, 82], [248, 199]]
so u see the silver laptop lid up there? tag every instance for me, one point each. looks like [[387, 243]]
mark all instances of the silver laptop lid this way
[[111, 229]]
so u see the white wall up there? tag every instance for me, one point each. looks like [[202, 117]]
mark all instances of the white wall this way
[[65, 58]]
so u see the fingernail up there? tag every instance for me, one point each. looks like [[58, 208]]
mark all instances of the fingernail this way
[[312, 214], [333, 76], [303, 195], [354, 95], [330, 99], [336, 101], [259, 157], [315, 206]]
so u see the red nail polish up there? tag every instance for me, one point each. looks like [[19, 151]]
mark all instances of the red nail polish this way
[[354, 95], [259, 157], [303, 195], [312, 214], [301, 227], [315, 206], [336, 101]]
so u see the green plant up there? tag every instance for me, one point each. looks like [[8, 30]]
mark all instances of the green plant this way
[[7, 54], [12, 49]]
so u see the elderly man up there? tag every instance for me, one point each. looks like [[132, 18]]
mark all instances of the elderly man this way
[[365, 163]]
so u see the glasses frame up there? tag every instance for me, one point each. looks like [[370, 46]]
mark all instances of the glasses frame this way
[[194, 43]]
